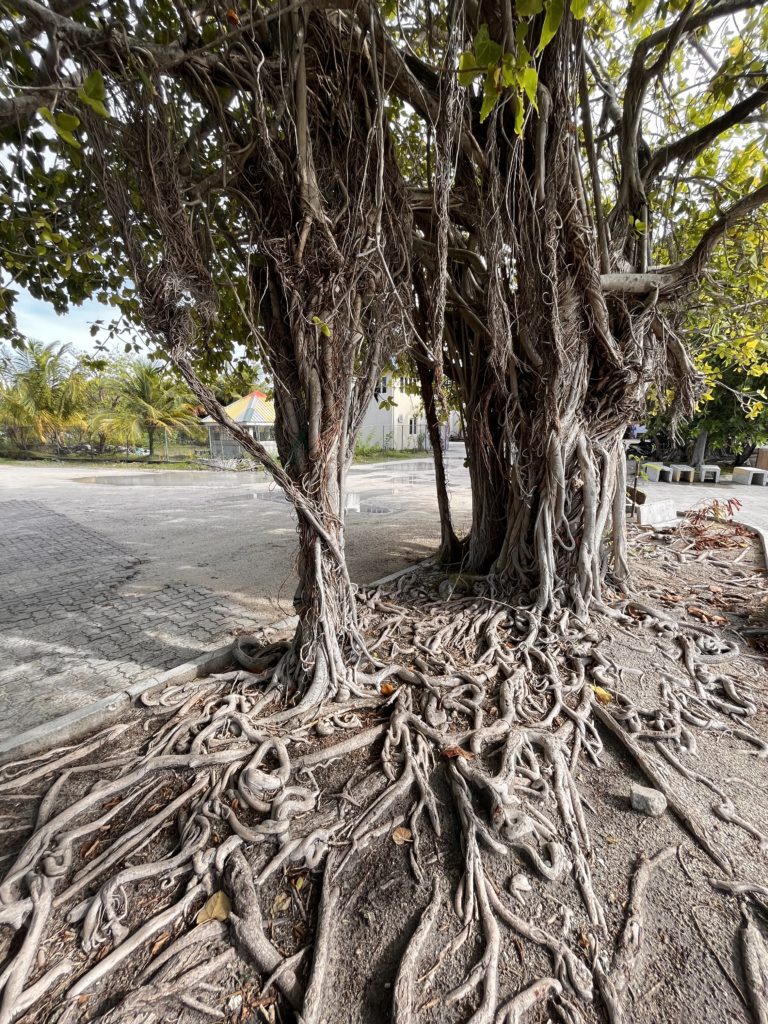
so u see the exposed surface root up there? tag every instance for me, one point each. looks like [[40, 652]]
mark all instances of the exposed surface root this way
[[216, 844]]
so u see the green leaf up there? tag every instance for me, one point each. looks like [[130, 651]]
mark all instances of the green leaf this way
[[67, 122], [69, 138], [527, 8], [551, 24], [94, 87], [519, 112], [468, 69], [59, 124], [95, 104], [579, 8], [490, 95], [640, 226], [325, 330], [529, 80], [486, 50], [639, 9], [508, 70]]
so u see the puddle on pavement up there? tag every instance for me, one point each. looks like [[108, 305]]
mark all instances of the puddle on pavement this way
[[355, 502], [171, 478]]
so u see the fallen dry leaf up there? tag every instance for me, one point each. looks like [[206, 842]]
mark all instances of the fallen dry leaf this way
[[159, 943], [282, 902], [451, 752], [402, 835], [388, 688], [217, 908]]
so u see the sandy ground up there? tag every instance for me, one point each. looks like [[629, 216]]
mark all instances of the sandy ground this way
[[233, 533]]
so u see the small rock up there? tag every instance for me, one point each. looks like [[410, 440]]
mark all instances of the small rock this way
[[519, 883], [235, 1003], [647, 801]]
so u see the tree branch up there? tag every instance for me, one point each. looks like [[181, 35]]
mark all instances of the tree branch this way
[[694, 266], [691, 145]]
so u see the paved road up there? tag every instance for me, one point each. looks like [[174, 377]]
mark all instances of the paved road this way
[[108, 576]]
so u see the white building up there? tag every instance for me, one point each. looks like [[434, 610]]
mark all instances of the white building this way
[[400, 423]]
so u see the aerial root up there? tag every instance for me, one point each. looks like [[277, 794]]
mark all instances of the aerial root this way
[[248, 930], [314, 1006], [403, 1001]]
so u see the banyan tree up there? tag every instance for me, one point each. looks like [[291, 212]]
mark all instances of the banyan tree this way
[[489, 189]]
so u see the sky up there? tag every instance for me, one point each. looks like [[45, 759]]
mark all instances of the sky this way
[[38, 320]]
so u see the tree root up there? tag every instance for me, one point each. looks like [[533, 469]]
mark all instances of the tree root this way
[[496, 705]]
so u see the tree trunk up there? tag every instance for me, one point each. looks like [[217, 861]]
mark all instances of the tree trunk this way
[[487, 454], [450, 546], [569, 367], [151, 436], [745, 455], [700, 448]]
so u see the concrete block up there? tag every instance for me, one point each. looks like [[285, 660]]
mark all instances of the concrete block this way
[[654, 512], [705, 473], [656, 472], [682, 474], [750, 476], [648, 801]]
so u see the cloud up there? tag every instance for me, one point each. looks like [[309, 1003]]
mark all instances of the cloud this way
[[36, 319]]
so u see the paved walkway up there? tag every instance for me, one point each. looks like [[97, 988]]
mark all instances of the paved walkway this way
[[109, 576]]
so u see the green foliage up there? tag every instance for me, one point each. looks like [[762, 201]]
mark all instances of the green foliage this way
[[141, 398], [507, 73], [42, 393]]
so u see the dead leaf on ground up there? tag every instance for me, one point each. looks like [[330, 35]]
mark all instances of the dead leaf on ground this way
[[217, 908], [402, 835], [451, 752], [282, 902], [88, 849], [387, 689], [159, 943]]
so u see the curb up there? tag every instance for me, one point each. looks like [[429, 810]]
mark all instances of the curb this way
[[76, 725], [759, 532]]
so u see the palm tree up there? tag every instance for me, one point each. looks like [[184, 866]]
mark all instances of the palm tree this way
[[144, 399], [42, 393]]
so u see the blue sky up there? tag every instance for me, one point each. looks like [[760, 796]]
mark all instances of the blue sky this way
[[37, 319]]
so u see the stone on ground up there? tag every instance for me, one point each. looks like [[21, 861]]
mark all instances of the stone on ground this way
[[647, 801]]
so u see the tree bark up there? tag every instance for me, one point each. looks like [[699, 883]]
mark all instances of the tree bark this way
[[699, 453], [450, 546], [568, 374]]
